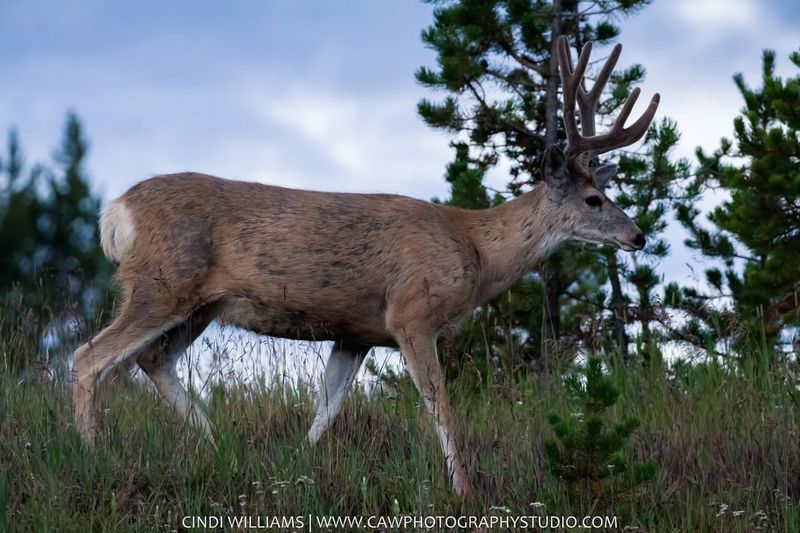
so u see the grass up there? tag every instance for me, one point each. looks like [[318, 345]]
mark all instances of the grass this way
[[725, 442]]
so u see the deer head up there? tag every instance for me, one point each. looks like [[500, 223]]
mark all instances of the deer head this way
[[575, 181]]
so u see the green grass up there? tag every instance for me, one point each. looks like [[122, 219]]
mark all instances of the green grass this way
[[719, 438]]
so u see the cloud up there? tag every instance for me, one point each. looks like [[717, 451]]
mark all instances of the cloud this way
[[282, 95], [372, 143], [691, 50], [716, 14], [327, 123]]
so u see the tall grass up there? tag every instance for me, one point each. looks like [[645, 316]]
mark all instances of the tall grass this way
[[725, 442]]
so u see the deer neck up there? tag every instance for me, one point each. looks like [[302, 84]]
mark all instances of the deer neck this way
[[514, 238]]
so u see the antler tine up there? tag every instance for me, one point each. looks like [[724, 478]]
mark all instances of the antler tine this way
[[620, 136], [571, 82], [626, 110], [587, 102], [588, 143]]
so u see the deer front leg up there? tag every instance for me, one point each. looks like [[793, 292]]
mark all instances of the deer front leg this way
[[419, 352]]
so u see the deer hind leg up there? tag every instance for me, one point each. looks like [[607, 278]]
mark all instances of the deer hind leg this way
[[159, 362], [340, 371], [419, 352], [123, 339]]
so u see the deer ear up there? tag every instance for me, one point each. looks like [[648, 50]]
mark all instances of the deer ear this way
[[555, 167], [603, 173]]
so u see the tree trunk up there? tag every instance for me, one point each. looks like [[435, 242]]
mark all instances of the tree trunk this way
[[618, 306], [552, 285], [551, 95], [551, 317], [645, 313]]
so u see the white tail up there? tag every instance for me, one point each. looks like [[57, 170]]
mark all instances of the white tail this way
[[361, 270], [117, 232]]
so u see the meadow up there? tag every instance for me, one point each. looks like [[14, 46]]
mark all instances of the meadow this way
[[724, 437]]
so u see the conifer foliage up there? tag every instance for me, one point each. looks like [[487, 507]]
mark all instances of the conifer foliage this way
[[501, 103], [52, 270], [755, 232], [588, 450]]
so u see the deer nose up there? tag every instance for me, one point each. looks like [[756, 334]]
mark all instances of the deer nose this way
[[639, 241]]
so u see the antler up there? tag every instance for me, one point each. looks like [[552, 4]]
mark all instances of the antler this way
[[618, 136]]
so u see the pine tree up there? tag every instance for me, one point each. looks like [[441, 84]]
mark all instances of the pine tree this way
[[648, 185], [52, 267], [586, 454], [21, 206], [70, 233], [495, 64], [756, 232], [466, 181]]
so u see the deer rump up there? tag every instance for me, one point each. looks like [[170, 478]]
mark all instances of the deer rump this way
[[287, 263]]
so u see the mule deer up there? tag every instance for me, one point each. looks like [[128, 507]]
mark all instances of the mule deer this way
[[361, 270]]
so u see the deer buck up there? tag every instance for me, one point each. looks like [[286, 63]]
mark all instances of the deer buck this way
[[361, 270]]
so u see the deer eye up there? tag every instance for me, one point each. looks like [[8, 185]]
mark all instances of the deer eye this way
[[594, 201]]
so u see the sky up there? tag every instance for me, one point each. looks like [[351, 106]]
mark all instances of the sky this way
[[321, 95]]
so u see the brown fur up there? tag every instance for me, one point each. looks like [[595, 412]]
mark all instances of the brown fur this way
[[317, 266], [362, 270]]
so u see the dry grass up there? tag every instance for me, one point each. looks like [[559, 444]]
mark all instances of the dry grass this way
[[726, 445]]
